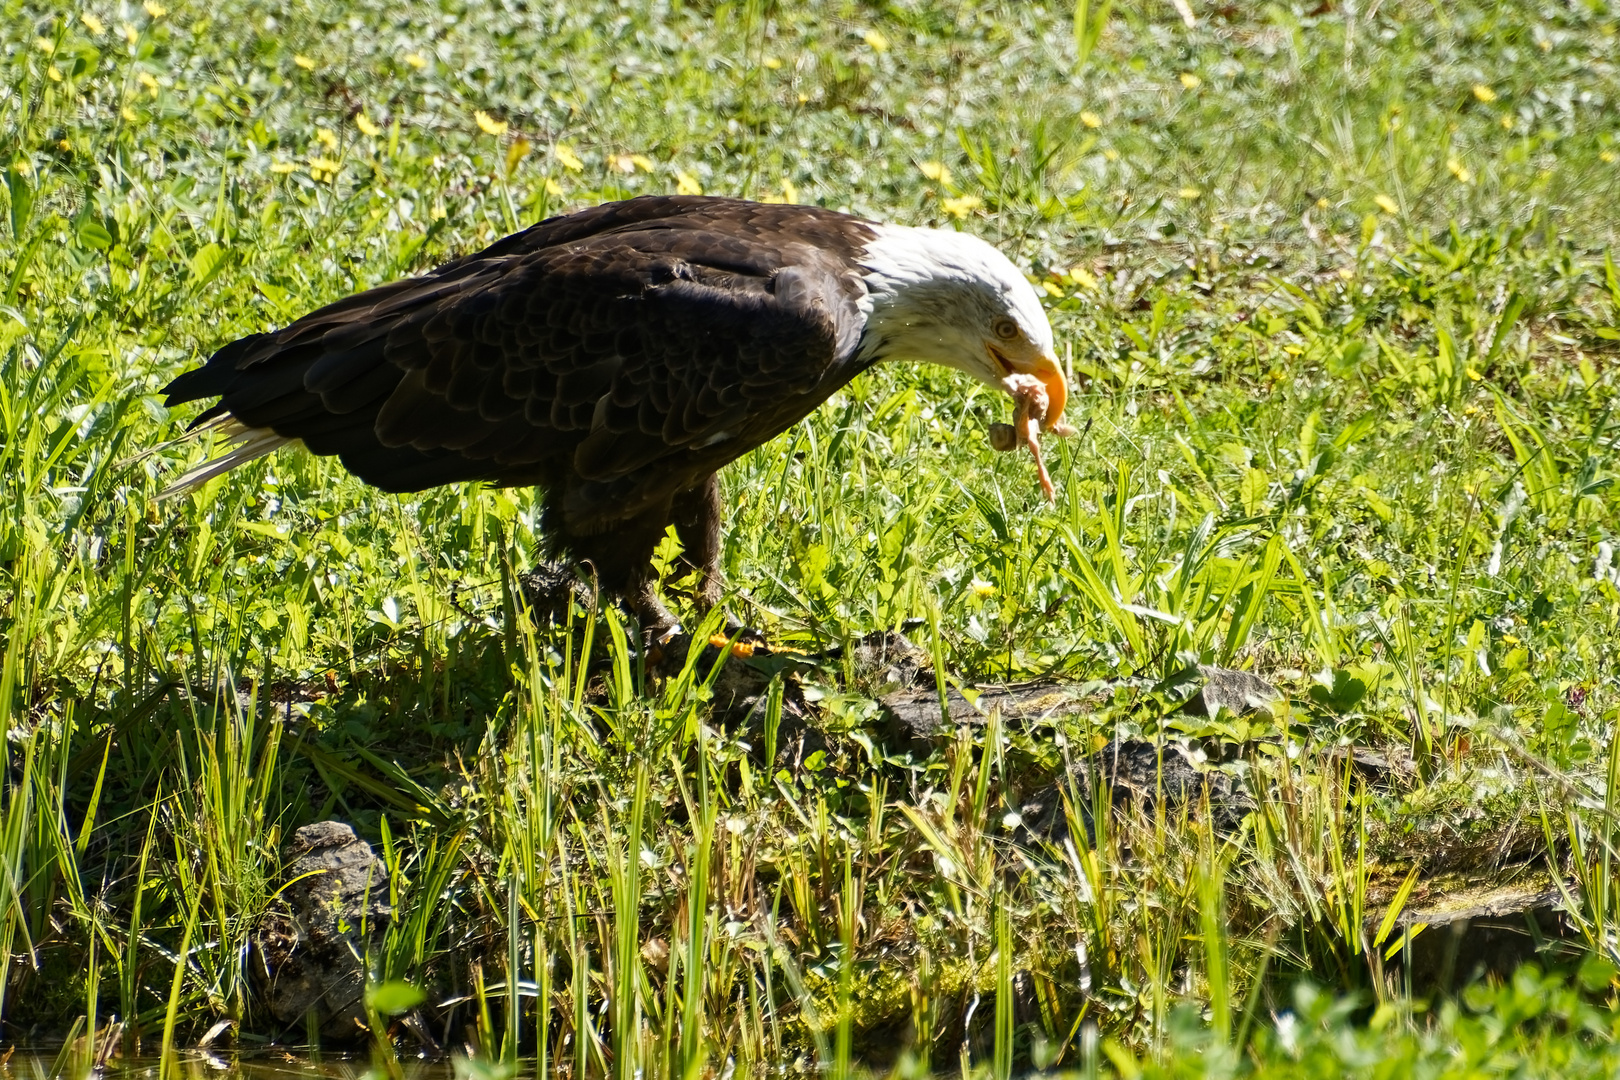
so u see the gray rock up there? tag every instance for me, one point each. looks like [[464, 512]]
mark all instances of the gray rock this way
[[914, 717], [1217, 688], [886, 661], [1136, 773], [1380, 768], [741, 705], [1470, 933], [315, 949]]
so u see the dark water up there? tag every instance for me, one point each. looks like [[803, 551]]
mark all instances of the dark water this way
[[232, 1065]]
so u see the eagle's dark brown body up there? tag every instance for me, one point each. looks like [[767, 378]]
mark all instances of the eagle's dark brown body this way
[[616, 357]]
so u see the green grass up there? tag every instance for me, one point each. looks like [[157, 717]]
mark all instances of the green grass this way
[[1340, 286]]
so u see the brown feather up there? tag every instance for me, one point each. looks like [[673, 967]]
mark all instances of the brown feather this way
[[616, 356]]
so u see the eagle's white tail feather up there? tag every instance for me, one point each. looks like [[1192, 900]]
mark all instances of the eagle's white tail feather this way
[[255, 443], [228, 425]]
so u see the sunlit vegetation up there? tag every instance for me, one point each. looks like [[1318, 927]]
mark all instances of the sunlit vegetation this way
[[1337, 279]]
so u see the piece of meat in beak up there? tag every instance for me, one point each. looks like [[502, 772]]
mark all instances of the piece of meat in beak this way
[[1033, 413]]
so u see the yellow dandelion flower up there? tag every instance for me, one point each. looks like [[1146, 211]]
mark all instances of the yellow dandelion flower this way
[[1322, 203], [1190, 81], [644, 163], [1460, 171], [790, 194], [416, 60], [567, 158], [1474, 375], [489, 125], [64, 146], [686, 184], [982, 588], [876, 39], [1484, 93], [1510, 639], [1507, 121], [155, 9], [935, 171], [1053, 289], [45, 45], [437, 213], [1082, 277], [1608, 157], [128, 114], [1110, 154], [326, 137], [1293, 350], [363, 122], [303, 61], [1387, 204], [129, 32], [1091, 119], [963, 206], [93, 24], [282, 168], [772, 62], [324, 164], [1347, 273], [1189, 193], [553, 188], [516, 153], [804, 99], [146, 79], [54, 72]]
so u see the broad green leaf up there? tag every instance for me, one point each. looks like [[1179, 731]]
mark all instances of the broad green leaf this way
[[206, 264], [393, 998], [94, 234], [1256, 483]]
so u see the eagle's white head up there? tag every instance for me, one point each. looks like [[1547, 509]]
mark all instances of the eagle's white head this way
[[944, 297]]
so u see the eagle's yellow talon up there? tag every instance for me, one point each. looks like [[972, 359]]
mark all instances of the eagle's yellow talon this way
[[740, 649]]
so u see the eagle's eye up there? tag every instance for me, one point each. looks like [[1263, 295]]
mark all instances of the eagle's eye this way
[[1005, 328]]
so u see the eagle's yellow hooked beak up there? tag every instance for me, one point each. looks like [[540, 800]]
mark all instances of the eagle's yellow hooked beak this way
[[1017, 363]]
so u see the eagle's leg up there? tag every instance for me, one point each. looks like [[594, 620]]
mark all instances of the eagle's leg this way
[[697, 524], [657, 621], [618, 557], [696, 515]]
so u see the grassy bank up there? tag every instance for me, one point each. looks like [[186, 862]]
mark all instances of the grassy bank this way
[[1338, 282]]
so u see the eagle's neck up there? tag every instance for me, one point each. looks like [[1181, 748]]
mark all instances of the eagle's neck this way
[[929, 293]]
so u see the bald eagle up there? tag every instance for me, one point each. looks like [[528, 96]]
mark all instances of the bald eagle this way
[[617, 357]]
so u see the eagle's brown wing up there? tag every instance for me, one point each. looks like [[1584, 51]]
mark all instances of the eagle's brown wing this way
[[615, 356]]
